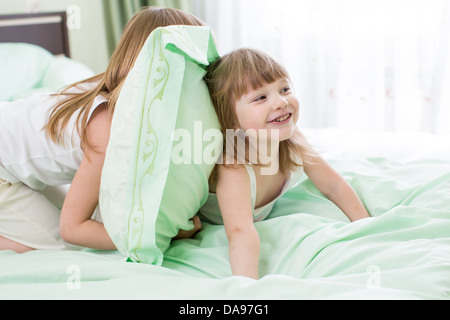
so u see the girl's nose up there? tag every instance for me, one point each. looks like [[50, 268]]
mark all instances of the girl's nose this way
[[280, 103]]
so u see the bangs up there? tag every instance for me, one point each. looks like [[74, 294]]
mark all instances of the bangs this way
[[255, 69], [243, 70]]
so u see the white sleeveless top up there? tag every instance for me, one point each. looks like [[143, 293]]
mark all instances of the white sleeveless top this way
[[26, 153], [210, 211]]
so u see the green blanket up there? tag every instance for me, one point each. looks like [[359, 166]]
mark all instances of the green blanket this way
[[308, 248]]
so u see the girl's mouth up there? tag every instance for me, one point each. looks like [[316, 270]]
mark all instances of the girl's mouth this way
[[282, 119]]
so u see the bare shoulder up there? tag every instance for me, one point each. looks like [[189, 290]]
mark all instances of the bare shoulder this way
[[98, 128], [234, 196], [232, 180], [232, 175]]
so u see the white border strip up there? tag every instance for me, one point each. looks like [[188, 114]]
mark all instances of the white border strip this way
[[30, 21]]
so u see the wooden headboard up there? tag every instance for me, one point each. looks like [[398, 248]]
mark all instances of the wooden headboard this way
[[48, 30]]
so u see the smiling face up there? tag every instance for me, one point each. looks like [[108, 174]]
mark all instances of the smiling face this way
[[272, 106], [252, 96]]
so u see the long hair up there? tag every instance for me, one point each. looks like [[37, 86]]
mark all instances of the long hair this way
[[232, 76], [109, 83]]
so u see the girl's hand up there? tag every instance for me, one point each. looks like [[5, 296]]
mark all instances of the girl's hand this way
[[186, 234]]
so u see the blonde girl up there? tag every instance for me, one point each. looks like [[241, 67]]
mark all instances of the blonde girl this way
[[60, 139], [252, 93]]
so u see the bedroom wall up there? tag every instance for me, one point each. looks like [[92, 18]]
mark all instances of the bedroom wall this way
[[86, 26]]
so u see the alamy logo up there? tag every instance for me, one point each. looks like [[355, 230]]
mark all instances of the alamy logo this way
[[73, 17], [200, 146], [73, 281]]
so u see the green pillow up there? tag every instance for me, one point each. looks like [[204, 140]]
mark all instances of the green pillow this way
[[63, 71], [22, 67], [150, 185]]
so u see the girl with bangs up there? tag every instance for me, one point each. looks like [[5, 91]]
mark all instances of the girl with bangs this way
[[255, 103], [65, 137]]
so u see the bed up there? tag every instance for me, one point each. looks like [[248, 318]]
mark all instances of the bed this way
[[36, 45], [47, 30], [309, 250]]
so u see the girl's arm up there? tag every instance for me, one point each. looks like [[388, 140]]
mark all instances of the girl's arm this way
[[76, 225], [234, 197], [335, 188]]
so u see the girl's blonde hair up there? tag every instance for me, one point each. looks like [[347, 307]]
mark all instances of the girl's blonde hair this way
[[109, 83], [235, 74]]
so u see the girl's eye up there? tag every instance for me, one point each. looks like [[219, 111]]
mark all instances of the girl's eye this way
[[260, 98], [286, 90]]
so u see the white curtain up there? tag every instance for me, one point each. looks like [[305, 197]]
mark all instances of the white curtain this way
[[367, 65]]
